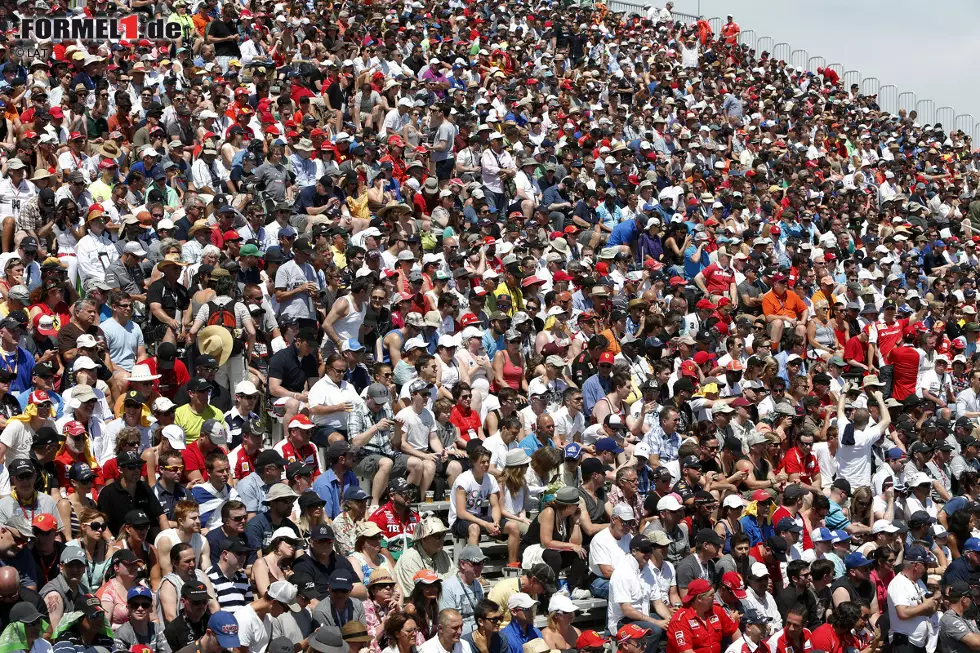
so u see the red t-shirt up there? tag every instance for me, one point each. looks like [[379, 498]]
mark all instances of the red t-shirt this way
[[889, 335], [824, 638], [905, 364], [855, 350], [241, 463], [782, 512], [688, 632], [111, 470], [193, 461], [794, 463], [170, 380], [782, 645], [717, 280], [65, 460], [389, 521], [467, 423]]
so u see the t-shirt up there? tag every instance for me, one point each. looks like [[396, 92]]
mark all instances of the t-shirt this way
[[905, 364], [416, 427], [123, 342], [854, 452], [476, 495], [289, 277], [952, 629], [253, 632], [607, 550], [902, 591], [498, 450]]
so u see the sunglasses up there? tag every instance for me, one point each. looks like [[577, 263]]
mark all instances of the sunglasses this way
[[97, 526], [173, 468]]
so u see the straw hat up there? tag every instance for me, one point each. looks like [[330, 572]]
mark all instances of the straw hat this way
[[393, 206], [216, 341]]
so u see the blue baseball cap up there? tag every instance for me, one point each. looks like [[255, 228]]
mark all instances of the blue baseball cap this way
[[895, 454], [288, 231], [918, 554], [841, 536], [972, 544], [939, 243], [822, 534], [608, 444], [857, 560], [225, 629], [139, 592], [573, 450], [353, 493], [353, 344]]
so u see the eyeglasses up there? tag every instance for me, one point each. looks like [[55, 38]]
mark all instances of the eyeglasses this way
[[338, 370], [97, 526]]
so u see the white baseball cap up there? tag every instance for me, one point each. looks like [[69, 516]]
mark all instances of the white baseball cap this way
[[669, 502], [175, 436]]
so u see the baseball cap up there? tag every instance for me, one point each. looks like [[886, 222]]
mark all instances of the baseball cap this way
[[225, 629], [733, 581]]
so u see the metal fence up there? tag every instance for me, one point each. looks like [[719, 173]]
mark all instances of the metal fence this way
[[889, 97]]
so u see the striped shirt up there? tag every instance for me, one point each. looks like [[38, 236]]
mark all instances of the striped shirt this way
[[232, 593]]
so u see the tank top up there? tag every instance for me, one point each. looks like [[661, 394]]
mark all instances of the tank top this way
[[596, 508], [349, 326], [825, 335], [170, 535], [450, 374], [760, 473], [178, 583], [512, 373], [560, 532], [386, 355], [366, 568]]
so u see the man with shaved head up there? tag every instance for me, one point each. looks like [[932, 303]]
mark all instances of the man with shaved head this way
[[12, 591]]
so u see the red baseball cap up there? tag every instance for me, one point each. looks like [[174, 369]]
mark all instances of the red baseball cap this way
[[56, 112], [696, 587], [74, 135], [733, 581], [30, 134], [561, 275], [678, 281], [761, 495], [706, 304], [703, 357], [775, 229], [571, 229], [607, 357], [632, 631], [74, 427], [45, 522], [689, 368], [590, 639], [300, 422], [231, 234], [39, 397]]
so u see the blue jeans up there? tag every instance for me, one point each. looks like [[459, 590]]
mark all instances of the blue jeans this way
[[653, 639], [600, 588]]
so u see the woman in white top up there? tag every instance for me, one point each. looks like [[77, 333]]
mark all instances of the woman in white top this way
[[515, 489], [475, 367], [367, 554], [449, 369], [68, 230]]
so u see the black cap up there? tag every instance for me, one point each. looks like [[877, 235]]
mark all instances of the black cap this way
[[305, 585], [195, 590], [128, 459], [134, 397], [592, 466], [235, 545], [921, 518], [166, 355], [270, 457], [20, 466], [787, 524], [198, 385], [309, 499], [137, 517], [321, 532], [205, 361], [124, 555], [89, 604], [958, 589], [45, 436], [778, 547], [642, 544], [708, 536], [843, 485], [399, 485], [342, 579], [298, 468], [692, 462], [546, 576]]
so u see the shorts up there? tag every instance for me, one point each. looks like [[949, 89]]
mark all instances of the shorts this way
[[445, 169], [460, 529], [368, 466]]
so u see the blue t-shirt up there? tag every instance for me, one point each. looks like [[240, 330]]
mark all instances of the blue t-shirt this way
[[624, 233], [123, 341], [836, 519], [20, 363]]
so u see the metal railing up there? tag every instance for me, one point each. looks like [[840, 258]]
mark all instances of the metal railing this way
[[890, 99]]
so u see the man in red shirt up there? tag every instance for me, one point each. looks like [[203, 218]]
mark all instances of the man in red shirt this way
[[884, 334], [718, 279], [297, 446], [213, 436], [793, 638], [701, 624], [173, 373], [856, 353], [802, 466], [835, 636], [904, 360], [397, 517]]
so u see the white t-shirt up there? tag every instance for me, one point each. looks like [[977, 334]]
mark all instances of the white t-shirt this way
[[665, 577], [498, 450], [435, 646], [416, 426], [607, 550], [855, 459], [631, 585], [254, 632], [902, 591], [476, 494]]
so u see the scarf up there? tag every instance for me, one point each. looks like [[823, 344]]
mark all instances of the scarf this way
[[86, 453], [29, 413]]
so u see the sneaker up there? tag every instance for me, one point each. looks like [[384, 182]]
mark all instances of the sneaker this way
[[581, 594]]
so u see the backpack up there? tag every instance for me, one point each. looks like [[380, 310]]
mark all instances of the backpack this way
[[224, 315]]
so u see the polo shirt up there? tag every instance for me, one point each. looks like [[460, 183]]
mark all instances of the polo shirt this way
[[234, 593], [329, 488], [687, 631], [259, 530], [292, 372], [321, 572], [252, 491], [115, 501], [515, 637], [186, 418]]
